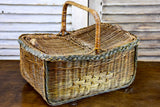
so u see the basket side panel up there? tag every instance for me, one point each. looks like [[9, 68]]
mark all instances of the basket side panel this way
[[33, 71], [72, 80]]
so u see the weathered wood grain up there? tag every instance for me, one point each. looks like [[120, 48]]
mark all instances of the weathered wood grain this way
[[150, 44], [132, 18], [9, 44], [140, 17], [82, 15], [31, 27], [33, 18], [131, 9], [149, 58], [96, 5], [7, 52], [131, 2], [140, 26], [15, 35], [10, 57], [149, 52], [148, 35], [33, 2], [20, 9]]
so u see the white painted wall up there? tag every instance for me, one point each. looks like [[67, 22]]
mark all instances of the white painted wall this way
[[34, 16], [79, 16]]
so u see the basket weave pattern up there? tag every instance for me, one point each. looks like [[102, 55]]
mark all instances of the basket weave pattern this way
[[32, 69], [73, 79], [68, 66], [67, 80]]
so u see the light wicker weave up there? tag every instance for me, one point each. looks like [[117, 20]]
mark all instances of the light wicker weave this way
[[69, 66]]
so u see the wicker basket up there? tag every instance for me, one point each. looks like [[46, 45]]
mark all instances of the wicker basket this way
[[68, 66]]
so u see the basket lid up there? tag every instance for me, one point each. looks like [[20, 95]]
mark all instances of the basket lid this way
[[79, 43]]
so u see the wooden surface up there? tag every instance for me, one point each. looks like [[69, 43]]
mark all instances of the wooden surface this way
[[144, 92]]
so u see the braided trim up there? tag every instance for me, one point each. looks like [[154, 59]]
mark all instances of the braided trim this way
[[103, 55]]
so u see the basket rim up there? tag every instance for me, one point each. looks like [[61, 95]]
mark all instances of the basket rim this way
[[100, 56]]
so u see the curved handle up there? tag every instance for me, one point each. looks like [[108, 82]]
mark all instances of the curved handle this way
[[93, 12]]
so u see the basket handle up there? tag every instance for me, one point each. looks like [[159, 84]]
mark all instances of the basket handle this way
[[93, 12]]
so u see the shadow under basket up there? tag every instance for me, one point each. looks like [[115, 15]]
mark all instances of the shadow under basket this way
[[67, 68]]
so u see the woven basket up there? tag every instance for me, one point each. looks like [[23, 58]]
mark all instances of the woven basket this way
[[68, 66]]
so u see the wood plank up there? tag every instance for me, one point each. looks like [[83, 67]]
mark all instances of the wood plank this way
[[15, 35], [149, 52], [9, 52], [33, 18], [9, 44], [96, 5], [131, 2], [130, 10], [140, 26], [14, 9], [130, 18], [9, 57], [12, 35], [150, 58], [80, 14], [33, 2], [150, 44], [148, 35], [31, 27]]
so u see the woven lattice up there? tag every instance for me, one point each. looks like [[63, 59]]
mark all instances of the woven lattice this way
[[74, 79], [80, 42], [68, 66]]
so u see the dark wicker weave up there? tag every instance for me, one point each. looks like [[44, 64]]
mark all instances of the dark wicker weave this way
[[68, 66]]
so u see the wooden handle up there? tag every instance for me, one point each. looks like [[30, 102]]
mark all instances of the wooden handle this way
[[93, 12]]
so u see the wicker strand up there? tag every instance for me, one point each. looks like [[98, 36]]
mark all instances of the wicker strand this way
[[95, 15], [65, 68]]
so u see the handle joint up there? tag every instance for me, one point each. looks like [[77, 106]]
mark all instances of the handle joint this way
[[96, 17]]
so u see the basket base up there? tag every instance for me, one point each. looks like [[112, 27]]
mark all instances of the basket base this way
[[71, 100]]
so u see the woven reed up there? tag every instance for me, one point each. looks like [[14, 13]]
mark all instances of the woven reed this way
[[80, 42], [68, 66]]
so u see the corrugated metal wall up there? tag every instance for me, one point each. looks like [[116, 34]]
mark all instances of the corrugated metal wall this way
[[30, 16], [141, 17]]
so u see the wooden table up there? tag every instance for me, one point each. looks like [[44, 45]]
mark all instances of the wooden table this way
[[144, 92]]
